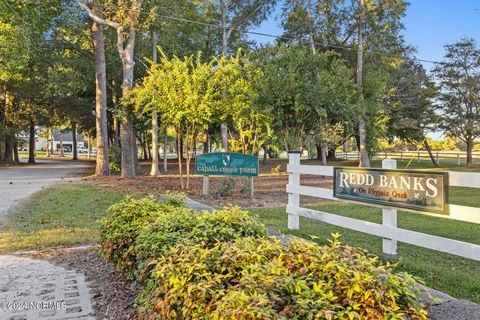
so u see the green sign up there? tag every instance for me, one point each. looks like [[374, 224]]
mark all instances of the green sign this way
[[226, 164], [406, 189]]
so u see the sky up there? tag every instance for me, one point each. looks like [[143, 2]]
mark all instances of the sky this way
[[429, 25]]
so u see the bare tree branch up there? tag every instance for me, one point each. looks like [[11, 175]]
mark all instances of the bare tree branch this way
[[96, 18]]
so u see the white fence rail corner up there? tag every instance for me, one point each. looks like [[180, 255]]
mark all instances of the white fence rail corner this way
[[388, 230]]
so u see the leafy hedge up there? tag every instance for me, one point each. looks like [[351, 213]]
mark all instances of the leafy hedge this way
[[124, 221], [185, 226], [259, 279], [222, 265]]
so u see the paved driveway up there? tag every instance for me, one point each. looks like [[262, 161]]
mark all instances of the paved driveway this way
[[32, 289], [20, 182]]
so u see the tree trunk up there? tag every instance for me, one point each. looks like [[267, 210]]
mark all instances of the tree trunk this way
[[323, 151], [88, 150], [127, 136], [187, 160], [165, 142], [225, 35], [318, 147], [60, 136], [362, 132], [8, 156], [155, 169], [52, 141], [182, 147], [116, 131], [135, 148], [179, 154], [74, 141], [429, 149], [206, 137], [144, 146], [102, 167], [16, 159], [31, 143], [265, 152], [469, 152], [116, 126], [47, 147]]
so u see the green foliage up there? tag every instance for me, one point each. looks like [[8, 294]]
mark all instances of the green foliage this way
[[122, 224], [174, 199], [447, 144], [276, 170], [185, 226], [303, 91], [224, 188], [458, 77], [115, 155], [246, 189], [239, 78], [260, 279]]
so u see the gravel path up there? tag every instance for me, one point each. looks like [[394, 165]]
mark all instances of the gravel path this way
[[35, 289]]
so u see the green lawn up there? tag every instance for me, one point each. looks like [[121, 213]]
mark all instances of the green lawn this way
[[58, 215], [454, 275]]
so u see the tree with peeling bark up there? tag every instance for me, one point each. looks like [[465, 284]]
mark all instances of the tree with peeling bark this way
[[102, 167], [155, 149], [124, 18]]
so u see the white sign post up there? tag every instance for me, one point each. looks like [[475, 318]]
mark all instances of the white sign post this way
[[294, 198], [389, 219]]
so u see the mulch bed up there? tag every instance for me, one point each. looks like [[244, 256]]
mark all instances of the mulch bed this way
[[269, 187], [114, 296]]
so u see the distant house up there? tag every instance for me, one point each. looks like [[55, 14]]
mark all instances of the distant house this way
[[67, 140]]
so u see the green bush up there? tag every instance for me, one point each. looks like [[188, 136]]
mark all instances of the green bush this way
[[260, 279], [185, 226], [276, 170], [115, 158], [224, 188], [123, 222]]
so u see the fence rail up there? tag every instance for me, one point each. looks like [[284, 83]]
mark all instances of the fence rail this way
[[457, 157], [388, 229]]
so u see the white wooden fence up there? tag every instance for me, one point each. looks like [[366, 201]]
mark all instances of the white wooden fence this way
[[388, 229], [458, 157]]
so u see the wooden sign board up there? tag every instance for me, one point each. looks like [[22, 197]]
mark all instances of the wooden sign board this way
[[226, 164], [417, 190]]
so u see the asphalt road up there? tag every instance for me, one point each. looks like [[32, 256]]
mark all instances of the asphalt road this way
[[18, 183]]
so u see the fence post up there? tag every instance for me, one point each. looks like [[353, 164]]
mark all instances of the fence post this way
[[401, 156], [438, 159], [389, 218], [294, 198], [206, 185], [418, 156], [458, 158]]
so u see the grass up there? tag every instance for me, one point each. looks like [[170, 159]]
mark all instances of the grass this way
[[453, 275], [56, 216]]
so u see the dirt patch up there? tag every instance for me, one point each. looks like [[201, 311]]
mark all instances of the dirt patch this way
[[114, 296], [270, 188]]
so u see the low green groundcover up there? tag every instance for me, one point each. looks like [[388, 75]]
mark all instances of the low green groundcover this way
[[222, 265]]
